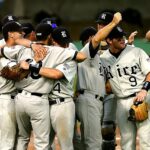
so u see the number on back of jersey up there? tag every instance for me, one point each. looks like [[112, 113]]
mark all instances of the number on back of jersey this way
[[57, 87]]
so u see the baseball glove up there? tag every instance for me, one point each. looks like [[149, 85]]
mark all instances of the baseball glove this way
[[138, 111], [14, 73]]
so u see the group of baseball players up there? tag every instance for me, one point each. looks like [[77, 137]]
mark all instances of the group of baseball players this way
[[96, 86]]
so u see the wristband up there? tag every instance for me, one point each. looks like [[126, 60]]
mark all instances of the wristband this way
[[146, 85], [31, 44], [35, 68], [75, 55]]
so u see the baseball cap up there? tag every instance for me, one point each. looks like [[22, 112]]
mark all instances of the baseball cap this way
[[86, 33], [117, 32], [104, 18], [8, 18], [51, 21], [12, 27], [61, 35], [42, 31], [27, 28]]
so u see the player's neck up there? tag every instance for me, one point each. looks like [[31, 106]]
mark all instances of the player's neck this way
[[10, 42]]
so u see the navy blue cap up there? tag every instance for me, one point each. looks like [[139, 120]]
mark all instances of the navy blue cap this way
[[12, 27], [117, 32], [51, 21], [61, 35], [42, 31], [8, 18], [104, 18], [27, 28]]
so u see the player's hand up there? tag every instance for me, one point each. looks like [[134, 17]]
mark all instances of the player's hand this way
[[39, 52], [117, 18], [140, 96], [24, 65], [131, 37]]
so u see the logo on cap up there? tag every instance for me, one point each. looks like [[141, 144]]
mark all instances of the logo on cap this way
[[10, 18], [103, 16], [63, 33], [119, 29]]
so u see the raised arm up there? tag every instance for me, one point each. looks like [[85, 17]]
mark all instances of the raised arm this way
[[102, 33]]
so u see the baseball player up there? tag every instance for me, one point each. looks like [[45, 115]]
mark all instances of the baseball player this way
[[7, 105], [91, 88], [7, 113], [128, 71], [109, 103], [32, 106], [29, 31], [5, 19], [62, 107], [54, 24]]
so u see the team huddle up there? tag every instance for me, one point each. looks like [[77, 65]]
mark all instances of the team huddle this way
[[55, 85]]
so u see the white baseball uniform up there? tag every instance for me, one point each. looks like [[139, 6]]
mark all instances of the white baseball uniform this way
[[7, 111], [126, 75], [91, 86], [32, 106], [62, 110]]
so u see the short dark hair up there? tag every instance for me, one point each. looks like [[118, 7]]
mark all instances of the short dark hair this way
[[86, 33]]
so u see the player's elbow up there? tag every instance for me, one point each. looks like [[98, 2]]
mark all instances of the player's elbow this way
[[80, 57]]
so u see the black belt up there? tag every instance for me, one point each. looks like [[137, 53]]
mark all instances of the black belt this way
[[56, 101], [35, 94], [131, 95], [96, 96], [12, 96]]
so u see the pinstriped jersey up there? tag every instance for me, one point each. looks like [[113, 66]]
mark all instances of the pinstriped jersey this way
[[91, 74], [64, 87], [55, 56], [6, 86], [127, 72]]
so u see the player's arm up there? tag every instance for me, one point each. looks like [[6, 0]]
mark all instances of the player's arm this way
[[131, 37], [43, 71], [102, 33], [37, 48], [51, 73], [79, 56], [141, 95]]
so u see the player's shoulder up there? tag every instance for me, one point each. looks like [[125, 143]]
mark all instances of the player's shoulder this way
[[105, 54], [72, 46], [135, 50]]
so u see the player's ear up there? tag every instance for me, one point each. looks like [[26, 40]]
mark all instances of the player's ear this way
[[108, 40], [10, 34]]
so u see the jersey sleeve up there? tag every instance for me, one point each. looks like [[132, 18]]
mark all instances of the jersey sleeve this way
[[68, 69], [11, 52], [89, 51], [67, 54], [85, 50], [144, 62], [25, 54]]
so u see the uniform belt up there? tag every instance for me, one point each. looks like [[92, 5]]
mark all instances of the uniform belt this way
[[56, 101], [35, 94], [7, 96], [131, 95], [96, 96]]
